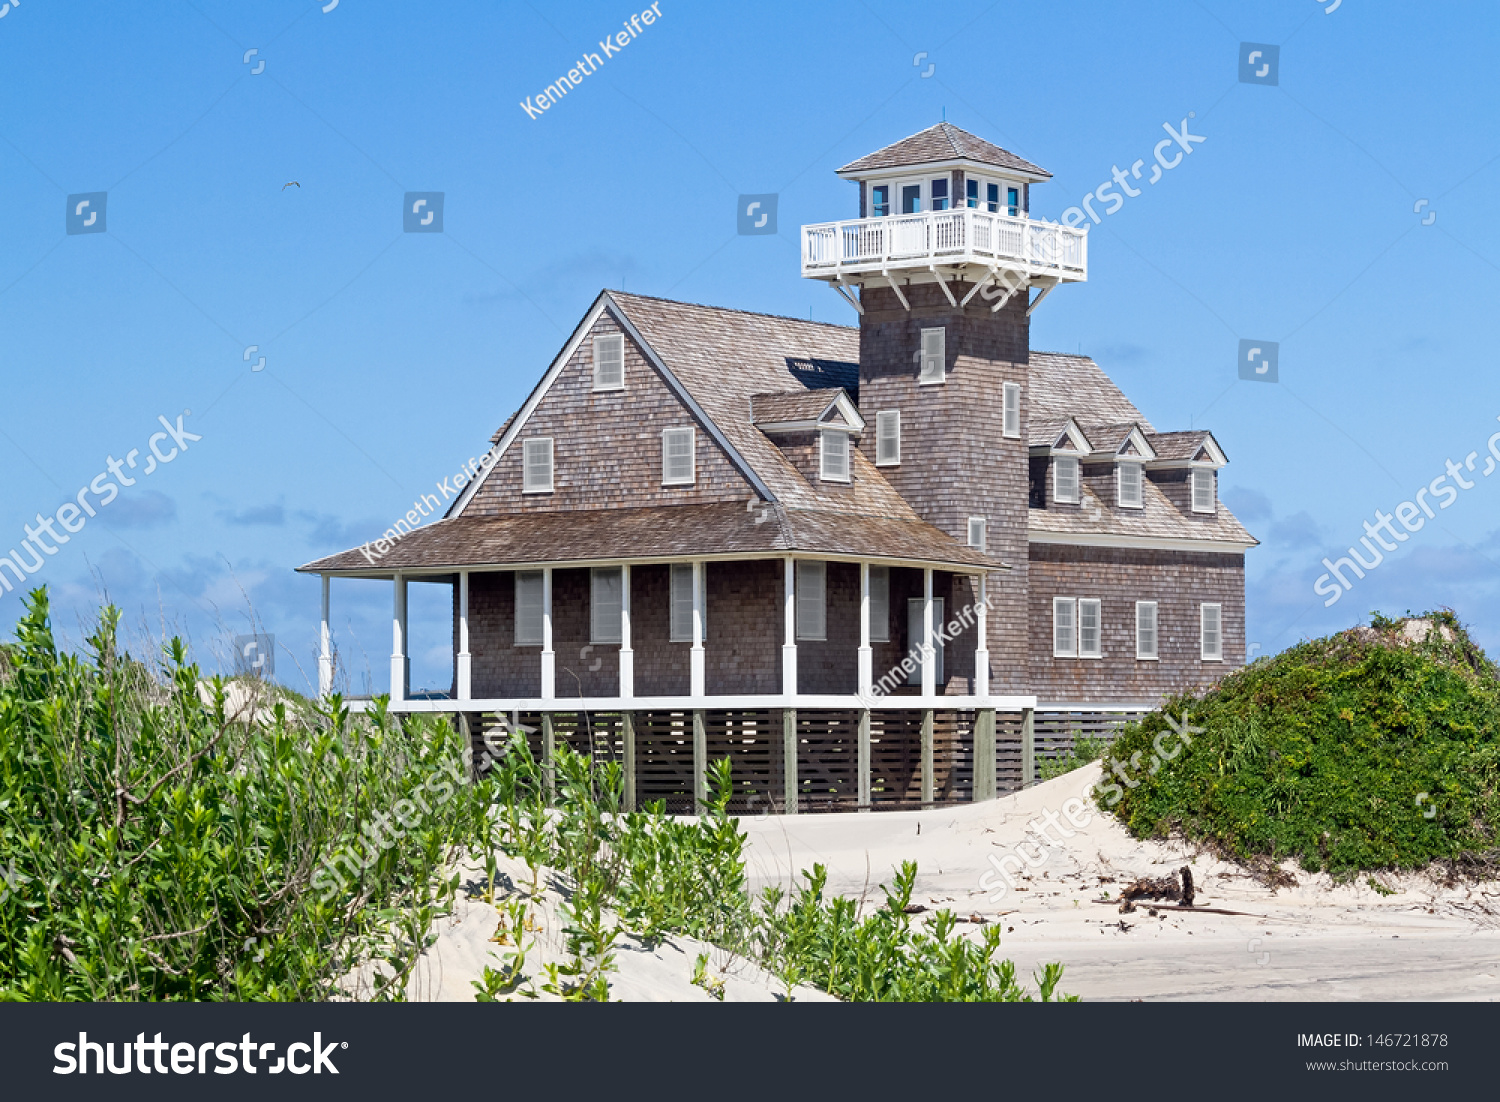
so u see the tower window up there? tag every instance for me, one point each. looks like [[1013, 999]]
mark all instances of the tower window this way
[[1010, 419], [992, 198], [536, 464], [971, 192], [888, 438], [609, 362], [977, 533], [1128, 478], [1065, 479], [940, 193], [1013, 201], [911, 198], [880, 201], [1203, 490], [934, 355]]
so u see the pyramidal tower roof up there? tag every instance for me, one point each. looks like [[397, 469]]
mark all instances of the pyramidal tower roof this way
[[943, 142]]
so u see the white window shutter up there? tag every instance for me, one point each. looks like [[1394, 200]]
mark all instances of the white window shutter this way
[[888, 437], [678, 458], [536, 462], [1011, 417], [1212, 632], [934, 354], [812, 600], [880, 604], [682, 603], [609, 361], [528, 608], [1090, 642], [1203, 490], [1145, 629], [1064, 627], [604, 605]]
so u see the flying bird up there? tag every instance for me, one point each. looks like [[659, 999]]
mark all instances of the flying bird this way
[[293, 183]]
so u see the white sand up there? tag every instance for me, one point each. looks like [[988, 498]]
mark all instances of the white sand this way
[[1317, 940]]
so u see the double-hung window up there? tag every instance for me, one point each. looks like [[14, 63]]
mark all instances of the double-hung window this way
[[677, 457], [1010, 416], [536, 464], [1145, 630], [1128, 488], [1211, 632], [888, 438], [977, 538], [880, 200], [609, 362], [1065, 479], [833, 455], [1077, 627]]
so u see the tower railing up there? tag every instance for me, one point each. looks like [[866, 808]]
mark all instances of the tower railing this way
[[948, 237]]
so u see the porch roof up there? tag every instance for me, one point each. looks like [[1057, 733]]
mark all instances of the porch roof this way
[[751, 529]]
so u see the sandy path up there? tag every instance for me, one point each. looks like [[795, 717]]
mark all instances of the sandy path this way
[[1313, 941]]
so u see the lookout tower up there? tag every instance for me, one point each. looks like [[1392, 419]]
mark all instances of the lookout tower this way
[[945, 266]]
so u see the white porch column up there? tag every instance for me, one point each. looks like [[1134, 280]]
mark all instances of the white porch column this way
[[549, 659], [325, 649], [400, 666], [463, 664], [627, 653], [789, 638], [697, 656], [929, 652], [982, 649], [866, 652]]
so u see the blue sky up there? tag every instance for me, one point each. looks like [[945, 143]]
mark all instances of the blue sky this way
[[391, 357]]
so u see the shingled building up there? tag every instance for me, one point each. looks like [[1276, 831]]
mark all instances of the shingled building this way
[[879, 566]]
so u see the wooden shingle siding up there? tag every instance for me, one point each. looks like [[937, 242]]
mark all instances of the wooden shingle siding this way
[[955, 462], [1178, 581], [607, 444]]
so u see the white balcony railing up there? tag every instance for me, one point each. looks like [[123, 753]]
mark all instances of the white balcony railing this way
[[947, 237]]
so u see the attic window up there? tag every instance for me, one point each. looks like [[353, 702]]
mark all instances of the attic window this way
[[934, 355], [888, 438], [536, 462], [1010, 426], [609, 362], [1128, 485], [1065, 479], [1203, 490], [833, 448], [677, 458]]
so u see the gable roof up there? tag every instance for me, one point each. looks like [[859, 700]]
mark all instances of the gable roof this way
[[944, 142], [1186, 445], [791, 405], [1062, 386]]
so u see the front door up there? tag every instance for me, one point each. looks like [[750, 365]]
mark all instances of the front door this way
[[914, 637]]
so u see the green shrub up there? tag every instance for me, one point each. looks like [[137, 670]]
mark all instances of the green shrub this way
[[1361, 751], [153, 848]]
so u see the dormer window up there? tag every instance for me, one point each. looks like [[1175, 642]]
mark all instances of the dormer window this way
[[1065, 479], [833, 449], [1128, 489], [1204, 497], [609, 362], [934, 356]]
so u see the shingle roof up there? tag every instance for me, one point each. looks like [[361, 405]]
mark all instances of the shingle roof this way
[[1109, 437], [665, 531], [1073, 386], [791, 405], [1159, 519], [943, 142], [1177, 445]]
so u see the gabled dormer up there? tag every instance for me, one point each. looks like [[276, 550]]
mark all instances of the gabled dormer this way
[[815, 429], [1186, 468], [1058, 448], [1121, 450]]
